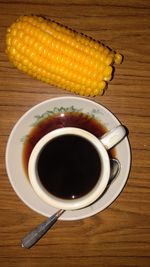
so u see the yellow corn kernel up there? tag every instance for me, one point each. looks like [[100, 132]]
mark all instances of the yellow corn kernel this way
[[108, 73], [118, 58], [60, 56]]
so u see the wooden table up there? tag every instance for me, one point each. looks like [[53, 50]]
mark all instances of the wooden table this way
[[118, 236]]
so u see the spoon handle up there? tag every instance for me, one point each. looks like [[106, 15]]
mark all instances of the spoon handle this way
[[31, 238]]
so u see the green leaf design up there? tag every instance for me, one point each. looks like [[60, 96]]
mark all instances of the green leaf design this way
[[24, 138], [55, 111]]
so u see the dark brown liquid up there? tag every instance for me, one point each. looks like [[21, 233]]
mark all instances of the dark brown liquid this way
[[69, 166], [73, 119]]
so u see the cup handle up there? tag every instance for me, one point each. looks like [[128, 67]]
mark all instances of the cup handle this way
[[113, 137]]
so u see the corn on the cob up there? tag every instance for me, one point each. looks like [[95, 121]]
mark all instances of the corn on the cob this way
[[60, 56]]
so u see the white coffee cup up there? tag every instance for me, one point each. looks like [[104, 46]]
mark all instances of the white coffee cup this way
[[102, 145]]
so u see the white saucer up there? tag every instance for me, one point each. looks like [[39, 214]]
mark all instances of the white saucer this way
[[14, 165]]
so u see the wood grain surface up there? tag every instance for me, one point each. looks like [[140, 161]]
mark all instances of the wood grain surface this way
[[120, 235]]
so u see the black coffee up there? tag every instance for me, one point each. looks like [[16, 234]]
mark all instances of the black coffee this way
[[72, 119], [69, 166]]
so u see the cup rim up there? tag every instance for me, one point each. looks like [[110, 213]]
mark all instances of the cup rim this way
[[80, 202]]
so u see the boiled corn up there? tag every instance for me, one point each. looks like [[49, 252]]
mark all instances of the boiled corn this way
[[60, 56]]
